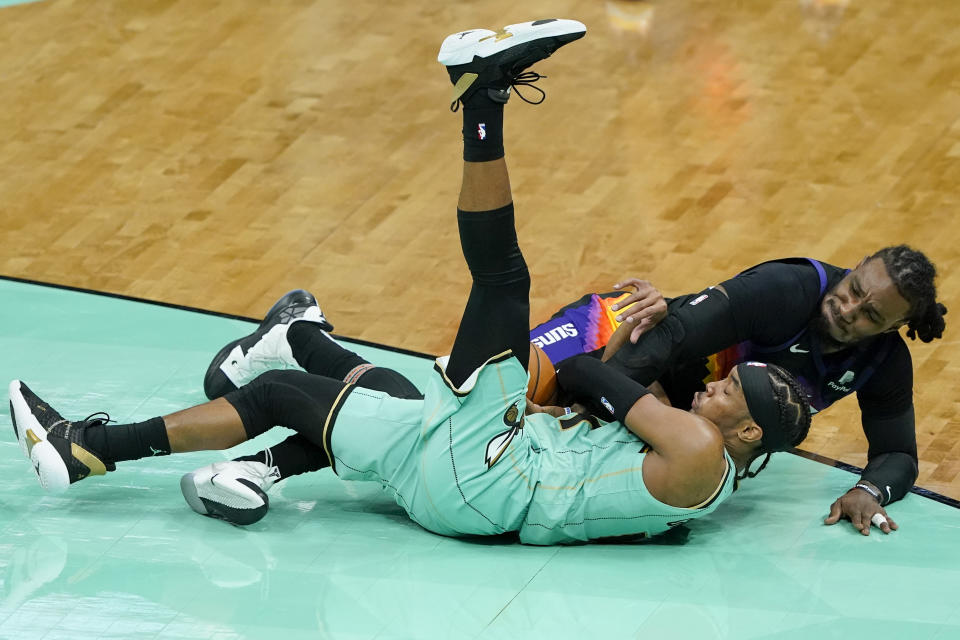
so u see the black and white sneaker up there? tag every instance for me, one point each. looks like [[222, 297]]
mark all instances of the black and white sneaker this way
[[494, 61], [235, 490], [55, 446], [265, 349]]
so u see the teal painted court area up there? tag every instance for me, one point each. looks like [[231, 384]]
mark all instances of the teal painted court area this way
[[124, 557]]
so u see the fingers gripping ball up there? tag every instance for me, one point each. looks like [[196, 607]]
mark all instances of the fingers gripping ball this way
[[543, 377]]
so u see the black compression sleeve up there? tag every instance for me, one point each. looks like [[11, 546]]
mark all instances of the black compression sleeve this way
[[892, 465], [497, 315], [768, 304], [696, 326], [892, 473], [598, 385], [772, 302]]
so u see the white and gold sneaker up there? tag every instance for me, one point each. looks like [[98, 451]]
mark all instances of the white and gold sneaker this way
[[55, 446], [480, 59]]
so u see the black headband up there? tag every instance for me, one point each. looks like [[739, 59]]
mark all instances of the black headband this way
[[762, 404]]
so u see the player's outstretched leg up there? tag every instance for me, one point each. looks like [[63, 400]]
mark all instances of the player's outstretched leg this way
[[267, 348], [294, 335], [483, 66], [63, 452]]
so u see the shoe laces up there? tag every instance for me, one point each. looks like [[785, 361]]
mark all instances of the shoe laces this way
[[524, 79], [92, 420], [267, 477], [95, 419]]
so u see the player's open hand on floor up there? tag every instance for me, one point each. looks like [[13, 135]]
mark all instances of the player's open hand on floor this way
[[862, 510]]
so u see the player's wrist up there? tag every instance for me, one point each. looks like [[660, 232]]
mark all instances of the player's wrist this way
[[869, 488]]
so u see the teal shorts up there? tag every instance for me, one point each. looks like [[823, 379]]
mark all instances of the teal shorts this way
[[456, 461]]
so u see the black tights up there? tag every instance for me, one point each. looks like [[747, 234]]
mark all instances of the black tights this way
[[496, 319], [497, 315], [302, 401]]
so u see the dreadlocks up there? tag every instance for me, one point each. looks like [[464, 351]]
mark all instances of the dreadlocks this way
[[913, 274]]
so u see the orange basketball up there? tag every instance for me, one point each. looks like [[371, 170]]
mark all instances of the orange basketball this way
[[543, 377]]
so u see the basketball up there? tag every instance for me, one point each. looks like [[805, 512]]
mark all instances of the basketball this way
[[543, 377]]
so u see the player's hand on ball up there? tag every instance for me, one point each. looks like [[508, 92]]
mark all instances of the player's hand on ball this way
[[642, 309], [861, 509]]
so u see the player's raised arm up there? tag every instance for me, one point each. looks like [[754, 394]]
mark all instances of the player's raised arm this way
[[686, 461], [757, 409]]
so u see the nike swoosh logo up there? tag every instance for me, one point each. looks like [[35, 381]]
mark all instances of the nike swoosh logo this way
[[796, 349]]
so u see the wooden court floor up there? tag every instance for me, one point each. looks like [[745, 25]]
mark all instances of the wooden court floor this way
[[216, 154]]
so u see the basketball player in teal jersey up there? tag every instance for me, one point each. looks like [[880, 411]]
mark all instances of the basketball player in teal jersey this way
[[465, 459]]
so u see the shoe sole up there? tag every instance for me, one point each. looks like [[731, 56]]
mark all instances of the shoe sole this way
[[47, 464], [212, 508], [14, 390], [454, 51], [188, 487], [215, 383]]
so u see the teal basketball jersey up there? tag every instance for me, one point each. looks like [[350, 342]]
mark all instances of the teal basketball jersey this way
[[468, 462]]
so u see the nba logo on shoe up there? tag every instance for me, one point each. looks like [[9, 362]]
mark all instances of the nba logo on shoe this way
[[482, 131]]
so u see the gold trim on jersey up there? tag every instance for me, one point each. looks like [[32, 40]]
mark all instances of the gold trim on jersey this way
[[540, 485], [328, 422], [472, 379]]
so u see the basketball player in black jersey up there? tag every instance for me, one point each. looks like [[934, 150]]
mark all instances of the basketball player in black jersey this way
[[836, 329]]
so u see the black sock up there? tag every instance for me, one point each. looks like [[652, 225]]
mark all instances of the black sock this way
[[293, 456], [482, 128], [129, 441], [319, 354]]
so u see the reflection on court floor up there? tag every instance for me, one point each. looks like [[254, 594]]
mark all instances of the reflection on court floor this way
[[124, 557]]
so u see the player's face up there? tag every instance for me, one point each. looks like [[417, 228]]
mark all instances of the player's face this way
[[723, 403], [865, 303]]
